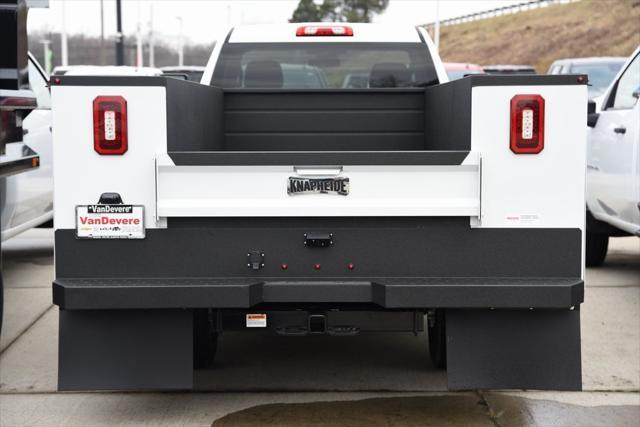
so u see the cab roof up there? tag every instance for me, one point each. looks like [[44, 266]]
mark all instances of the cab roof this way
[[286, 33], [592, 60]]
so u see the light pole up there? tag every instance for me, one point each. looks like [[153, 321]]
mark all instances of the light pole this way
[[47, 55], [139, 59], [102, 58], [180, 44], [63, 37], [119, 35], [436, 29], [152, 46]]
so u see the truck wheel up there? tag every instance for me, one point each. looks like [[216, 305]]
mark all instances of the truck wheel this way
[[205, 339], [597, 245], [437, 339]]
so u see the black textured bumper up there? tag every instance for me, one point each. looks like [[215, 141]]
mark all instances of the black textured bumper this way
[[98, 294]]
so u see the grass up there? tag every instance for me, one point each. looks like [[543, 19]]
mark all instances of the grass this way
[[538, 37]]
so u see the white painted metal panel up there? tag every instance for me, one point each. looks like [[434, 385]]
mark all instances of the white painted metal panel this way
[[258, 191], [81, 175], [545, 190]]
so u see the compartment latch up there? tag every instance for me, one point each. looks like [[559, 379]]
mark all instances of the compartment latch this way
[[318, 240]]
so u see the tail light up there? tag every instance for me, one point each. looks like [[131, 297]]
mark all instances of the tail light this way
[[110, 125], [328, 30], [527, 124]]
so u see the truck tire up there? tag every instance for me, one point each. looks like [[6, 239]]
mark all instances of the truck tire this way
[[597, 245], [205, 339], [437, 339]]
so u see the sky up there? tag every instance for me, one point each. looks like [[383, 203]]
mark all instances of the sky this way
[[203, 19]]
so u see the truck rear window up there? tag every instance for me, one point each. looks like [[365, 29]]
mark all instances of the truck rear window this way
[[320, 65]]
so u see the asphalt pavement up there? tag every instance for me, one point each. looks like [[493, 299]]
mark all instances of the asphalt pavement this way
[[371, 379]]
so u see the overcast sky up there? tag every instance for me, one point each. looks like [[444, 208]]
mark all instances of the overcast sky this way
[[202, 19]]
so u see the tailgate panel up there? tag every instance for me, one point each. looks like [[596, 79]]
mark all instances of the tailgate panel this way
[[375, 190]]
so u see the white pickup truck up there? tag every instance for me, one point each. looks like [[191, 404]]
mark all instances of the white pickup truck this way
[[269, 197], [26, 199], [613, 163]]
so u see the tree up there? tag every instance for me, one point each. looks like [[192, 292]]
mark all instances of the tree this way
[[362, 10], [331, 11], [307, 11], [338, 10]]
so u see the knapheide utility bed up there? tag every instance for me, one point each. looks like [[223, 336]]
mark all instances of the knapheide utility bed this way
[[284, 196]]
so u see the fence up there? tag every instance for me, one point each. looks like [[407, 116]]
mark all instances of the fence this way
[[506, 10]]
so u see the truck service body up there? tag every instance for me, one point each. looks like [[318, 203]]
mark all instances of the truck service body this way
[[321, 209]]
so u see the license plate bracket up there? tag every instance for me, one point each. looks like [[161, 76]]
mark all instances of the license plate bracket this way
[[110, 221]]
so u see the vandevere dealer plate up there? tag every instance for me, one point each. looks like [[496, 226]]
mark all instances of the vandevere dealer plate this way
[[110, 222]]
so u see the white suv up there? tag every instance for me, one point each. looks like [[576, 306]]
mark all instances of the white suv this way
[[613, 163]]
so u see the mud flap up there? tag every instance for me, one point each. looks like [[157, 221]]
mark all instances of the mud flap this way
[[125, 350], [514, 349]]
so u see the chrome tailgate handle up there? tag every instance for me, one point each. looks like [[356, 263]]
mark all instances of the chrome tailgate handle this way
[[317, 171]]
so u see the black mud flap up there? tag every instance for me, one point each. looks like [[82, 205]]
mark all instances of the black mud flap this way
[[125, 350], [514, 349]]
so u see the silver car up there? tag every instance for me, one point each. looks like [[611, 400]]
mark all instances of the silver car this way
[[601, 70]]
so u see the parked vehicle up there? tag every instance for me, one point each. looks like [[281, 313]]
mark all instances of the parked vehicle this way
[[613, 163], [601, 70], [17, 101], [303, 76], [254, 201], [457, 70], [509, 69], [356, 81], [27, 199]]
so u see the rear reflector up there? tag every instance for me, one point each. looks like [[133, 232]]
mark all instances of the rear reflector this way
[[527, 124], [110, 125], [329, 30]]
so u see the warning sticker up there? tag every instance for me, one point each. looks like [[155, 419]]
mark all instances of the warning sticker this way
[[256, 320], [523, 219]]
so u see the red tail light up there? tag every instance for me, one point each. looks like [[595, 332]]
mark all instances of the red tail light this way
[[527, 124], [110, 125], [328, 30]]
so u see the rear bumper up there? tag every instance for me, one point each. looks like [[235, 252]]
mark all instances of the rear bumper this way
[[401, 293], [400, 263]]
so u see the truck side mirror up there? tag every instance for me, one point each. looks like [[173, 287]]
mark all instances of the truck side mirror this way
[[592, 116], [636, 93]]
